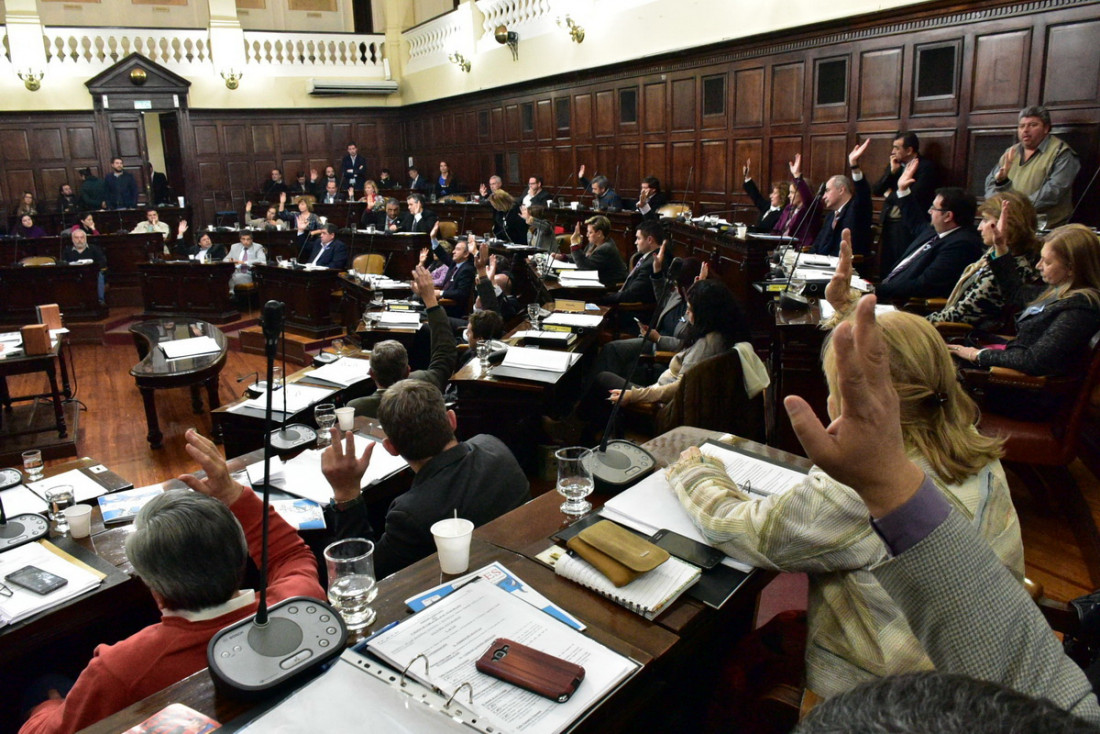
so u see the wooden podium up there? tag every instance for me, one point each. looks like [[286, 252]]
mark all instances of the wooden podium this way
[[186, 288], [72, 287], [307, 295]]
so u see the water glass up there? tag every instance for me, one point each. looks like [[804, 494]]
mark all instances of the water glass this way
[[351, 584], [32, 464], [534, 310], [276, 378], [574, 479], [325, 415], [484, 349], [338, 347], [58, 498]]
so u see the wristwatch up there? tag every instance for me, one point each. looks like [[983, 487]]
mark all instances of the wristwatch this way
[[346, 504]]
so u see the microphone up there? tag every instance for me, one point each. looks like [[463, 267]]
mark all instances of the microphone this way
[[674, 268], [555, 196], [687, 189], [272, 321]]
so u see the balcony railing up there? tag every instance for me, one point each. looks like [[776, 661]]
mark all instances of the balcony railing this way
[[298, 54]]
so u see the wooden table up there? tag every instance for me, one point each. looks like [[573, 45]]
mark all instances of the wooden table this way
[[307, 295], [156, 372], [186, 289], [50, 362]]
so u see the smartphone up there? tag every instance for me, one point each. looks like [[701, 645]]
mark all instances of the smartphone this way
[[686, 549], [531, 669], [33, 578]]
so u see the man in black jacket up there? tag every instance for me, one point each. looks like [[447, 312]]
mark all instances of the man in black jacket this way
[[896, 234], [651, 198], [459, 283], [637, 287], [353, 169], [600, 253], [848, 201], [418, 219]]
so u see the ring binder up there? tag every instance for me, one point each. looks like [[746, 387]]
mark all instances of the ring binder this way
[[469, 693], [405, 672]]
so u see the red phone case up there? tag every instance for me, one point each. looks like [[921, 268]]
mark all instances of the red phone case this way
[[531, 669]]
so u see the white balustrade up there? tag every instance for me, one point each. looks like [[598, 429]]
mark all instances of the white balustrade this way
[[311, 54], [527, 17], [89, 50]]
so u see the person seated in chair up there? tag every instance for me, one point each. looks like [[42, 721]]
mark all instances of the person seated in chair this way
[[244, 255], [604, 197], [459, 283], [79, 250], [269, 221], [478, 479], [206, 251], [389, 362], [332, 195], [772, 207], [651, 198], [418, 219], [190, 548], [637, 287], [848, 202], [27, 229], [152, 224], [600, 253], [328, 252]]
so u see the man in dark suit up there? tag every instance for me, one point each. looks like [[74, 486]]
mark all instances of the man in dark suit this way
[[273, 186], [120, 187], [604, 197], [600, 253], [771, 209], [637, 287], [848, 202], [479, 479], [933, 262], [418, 219], [385, 182], [329, 252], [896, 236], [459, 283], [353, 169], [206, 251], [388, 220], [418, 182], [332, 195], [536, 194], [651, 198]]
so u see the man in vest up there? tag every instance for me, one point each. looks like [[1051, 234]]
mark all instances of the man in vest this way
[[1041, 166]]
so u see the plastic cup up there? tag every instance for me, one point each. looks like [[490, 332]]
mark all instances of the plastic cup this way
[[346, 418], [80, 520], [452, 540]]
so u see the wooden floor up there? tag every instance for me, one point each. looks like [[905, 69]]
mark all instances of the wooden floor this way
[[113, 431]]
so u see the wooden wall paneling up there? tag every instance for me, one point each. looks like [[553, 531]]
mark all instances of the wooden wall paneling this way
[[607, 164], [717, 83], [241, 179], [496, 115], [1001, 62], [751, 150], [828, 157], [787, 93], [51, 180], [880, 84], [654, 108], [339, 136], [941, 104], [832, 111], [986, 148], [263, 140], [683, 104], [447, 133], [316, 139], [582, 116], [713, 167], [290, 139], [511, 123], [629, 177], [748, 97], [46, 143], [14, 147], [939, 146], [565, 166], [877, 156], [606, 116], [783, 150], [1073, 64], [82, 143], [655, 163], [545, 166], [544, 120], [684, 174], [16, 181], [236, 140]]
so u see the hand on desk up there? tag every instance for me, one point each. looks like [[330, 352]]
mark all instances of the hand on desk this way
[[217, 483], [863, 446], [613, 396], [342, 469]]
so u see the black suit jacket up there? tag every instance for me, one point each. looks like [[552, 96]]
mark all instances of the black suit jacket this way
[[856, 216], [427, 221], [217, 252], [336, 258], [637, 287], [353, 173], [655, 202], [768, 219], [420, 184], [923, 188], [542, 197], [458, 286]]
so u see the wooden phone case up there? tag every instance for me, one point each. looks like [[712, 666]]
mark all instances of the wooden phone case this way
[[531, 669]]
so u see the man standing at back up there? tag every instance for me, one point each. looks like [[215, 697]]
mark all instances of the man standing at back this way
[[896, 236], [120, 187], [1041, 166], [353, 169]]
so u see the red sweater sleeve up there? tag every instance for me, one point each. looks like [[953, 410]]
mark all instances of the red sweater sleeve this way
[[292, 569]]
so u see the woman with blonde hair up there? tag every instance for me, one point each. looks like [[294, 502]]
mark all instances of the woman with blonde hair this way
[[27, 205], [371, 196], [977, 299], [855, 633], [507, 223]]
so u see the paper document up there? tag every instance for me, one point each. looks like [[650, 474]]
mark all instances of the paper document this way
[[827, 309], [298, 397], [563, 265], [823, 261], [19, 500], [536, 359], [548, 336], [23, 603], [582, 275], [399, 319], [581, 320], [343, 372], [84, 487], [454, 632], [180, 348]]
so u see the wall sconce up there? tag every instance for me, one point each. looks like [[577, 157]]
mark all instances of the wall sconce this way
[[460, 61], [32, 79], [575, 31], [232, 78], [509, 38]]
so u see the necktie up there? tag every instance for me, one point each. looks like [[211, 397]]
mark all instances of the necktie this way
[[244, 255], [906, 262]]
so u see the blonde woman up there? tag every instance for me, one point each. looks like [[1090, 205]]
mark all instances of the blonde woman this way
[[371, 197], [977, 299], [855, 631]]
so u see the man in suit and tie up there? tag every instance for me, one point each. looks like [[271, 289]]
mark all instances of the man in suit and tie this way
[[933, 262], [637, 287], [418, 219], [896, 235], [329, 252], [848, 202], [388, 220], [459, 283], [244, 255], [651, 198], [205, 251], [353, 169], [416, 181], [332, 195]]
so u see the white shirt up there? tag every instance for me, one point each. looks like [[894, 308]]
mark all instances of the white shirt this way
[[319, 253]]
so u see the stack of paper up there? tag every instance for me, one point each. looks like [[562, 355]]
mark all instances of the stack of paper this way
[[580, 279], [563, 265], [297, 397], [180, 348], [23, 603], [19, 500], [536, 359], [343, 372], [579, 320], [399, 319]]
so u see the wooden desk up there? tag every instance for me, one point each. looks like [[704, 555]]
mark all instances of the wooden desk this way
[[796, 367], [157, 372], [307, 295], [109, 220], [72, 287], [183, 288], [48, 363]]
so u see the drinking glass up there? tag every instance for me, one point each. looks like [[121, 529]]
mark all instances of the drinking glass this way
[[281, 260], [351, 585], [325, 415], [574, 479], [276, 378], [338, 347], [484, 349], [798, 285], [59, 498], [32, 464], [534, 310]]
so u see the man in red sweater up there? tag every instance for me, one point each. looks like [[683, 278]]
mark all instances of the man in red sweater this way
[[190, 549]]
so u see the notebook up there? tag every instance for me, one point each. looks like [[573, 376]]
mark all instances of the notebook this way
[[648, 595]]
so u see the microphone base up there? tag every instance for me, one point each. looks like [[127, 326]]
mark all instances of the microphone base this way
[[623, 464], [793, 302], [301, 634]]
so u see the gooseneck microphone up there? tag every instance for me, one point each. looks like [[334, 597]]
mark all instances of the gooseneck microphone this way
[[276, 646], [796, 301]]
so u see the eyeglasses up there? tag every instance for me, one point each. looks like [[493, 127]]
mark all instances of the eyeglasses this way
[[937, 209]]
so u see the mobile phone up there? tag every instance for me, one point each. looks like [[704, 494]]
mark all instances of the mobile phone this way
[[686, 549], [531, 669], [33, 578]]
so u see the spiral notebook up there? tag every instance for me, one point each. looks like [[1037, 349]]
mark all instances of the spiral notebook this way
[[648, 595]]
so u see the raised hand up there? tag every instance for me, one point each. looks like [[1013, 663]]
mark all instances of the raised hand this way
[[745, 169], [423, 286], [217, 483], [182, 228], [248, 204], [282, 199], [351, 193], [659, 257], [481, 258], [862, 447], [576, 238], [435, 230], [796, 166], [491, 271], [836, 293], [704, 272], [423, 256], [1000, 231], [857, 153], [909, 175], [483, 190], [343, 470], [1006, 163], [580, 173]]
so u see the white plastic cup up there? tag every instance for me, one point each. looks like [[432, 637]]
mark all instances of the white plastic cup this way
[[80, 520], [346, 418], [452, 540]]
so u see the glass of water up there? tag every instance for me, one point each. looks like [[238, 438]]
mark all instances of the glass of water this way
[[325, 415], [59, 498], [351, 585], [484, 349], [574, 479], [32, 464], [534, 310]]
